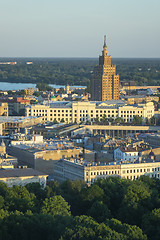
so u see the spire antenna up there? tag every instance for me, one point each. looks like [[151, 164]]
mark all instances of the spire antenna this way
[[105, 45]]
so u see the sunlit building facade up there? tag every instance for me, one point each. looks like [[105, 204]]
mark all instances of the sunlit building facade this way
[[104, 80]]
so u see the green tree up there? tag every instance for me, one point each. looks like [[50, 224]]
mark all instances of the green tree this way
[[114, 189], [104, 118], [71, 191], [119, 120], [55, 205], [20, 199], [37, 94], [111, 119], [129, 232], [137, 120], [135, 203], [153, 120], [43, 86], [55, 121], [61, 91], [99, 211], [151, 223], [96, 120], [85, 228]]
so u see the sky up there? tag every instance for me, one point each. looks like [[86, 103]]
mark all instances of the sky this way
[[76, 28]]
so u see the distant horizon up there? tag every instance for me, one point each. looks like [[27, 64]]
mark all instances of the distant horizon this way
[[80, 57]]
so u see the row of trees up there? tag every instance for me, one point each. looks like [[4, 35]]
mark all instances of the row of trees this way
[[111, 208], [137, 120], [104, 120]]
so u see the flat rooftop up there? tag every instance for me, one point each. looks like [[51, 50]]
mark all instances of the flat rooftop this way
[[44, 146], [20, 172], [4, 119]]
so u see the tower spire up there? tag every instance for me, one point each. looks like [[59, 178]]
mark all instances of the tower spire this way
[[105, 45]]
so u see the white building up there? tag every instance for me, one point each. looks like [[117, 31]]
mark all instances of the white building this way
[[88, 111], [126, 154], [22, 176], [89, 172]]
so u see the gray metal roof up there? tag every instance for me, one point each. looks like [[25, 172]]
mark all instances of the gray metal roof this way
[[20, 172]]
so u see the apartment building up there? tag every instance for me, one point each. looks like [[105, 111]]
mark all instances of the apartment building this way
[[30, 91], [41, 155], [133, 99], [89, 172], [87, 111], [22, 176], [3, 109], [10, 125], [14, 105]]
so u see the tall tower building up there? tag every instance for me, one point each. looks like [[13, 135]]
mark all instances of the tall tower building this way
[[104, 81]]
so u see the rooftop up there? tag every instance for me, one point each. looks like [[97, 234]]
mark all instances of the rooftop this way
[[84, 163], [48, 145], [15, 119], [19, 172]]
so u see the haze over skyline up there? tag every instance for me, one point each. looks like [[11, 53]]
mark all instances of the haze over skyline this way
[[72, 28]]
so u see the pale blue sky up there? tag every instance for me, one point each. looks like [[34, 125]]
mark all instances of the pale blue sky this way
[[75, 28]]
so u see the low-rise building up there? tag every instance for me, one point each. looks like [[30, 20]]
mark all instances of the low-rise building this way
[[9, 125], [30, 91], [134, 99], [131, 153], [89, 111], [153, 139], [89, 172], [41, 155], [128, 154], [3, 109], [16, 105], [6, 161], [22, 176]]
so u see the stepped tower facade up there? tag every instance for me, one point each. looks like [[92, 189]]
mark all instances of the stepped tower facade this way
[[104, 80]]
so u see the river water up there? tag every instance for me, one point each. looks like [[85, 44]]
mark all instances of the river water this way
[[20, 86]]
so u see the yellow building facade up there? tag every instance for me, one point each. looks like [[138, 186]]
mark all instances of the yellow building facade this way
[[104, 81], [4, 109], [71, 112]]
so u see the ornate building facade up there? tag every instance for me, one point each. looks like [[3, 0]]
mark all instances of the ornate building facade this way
[[104, 81]]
